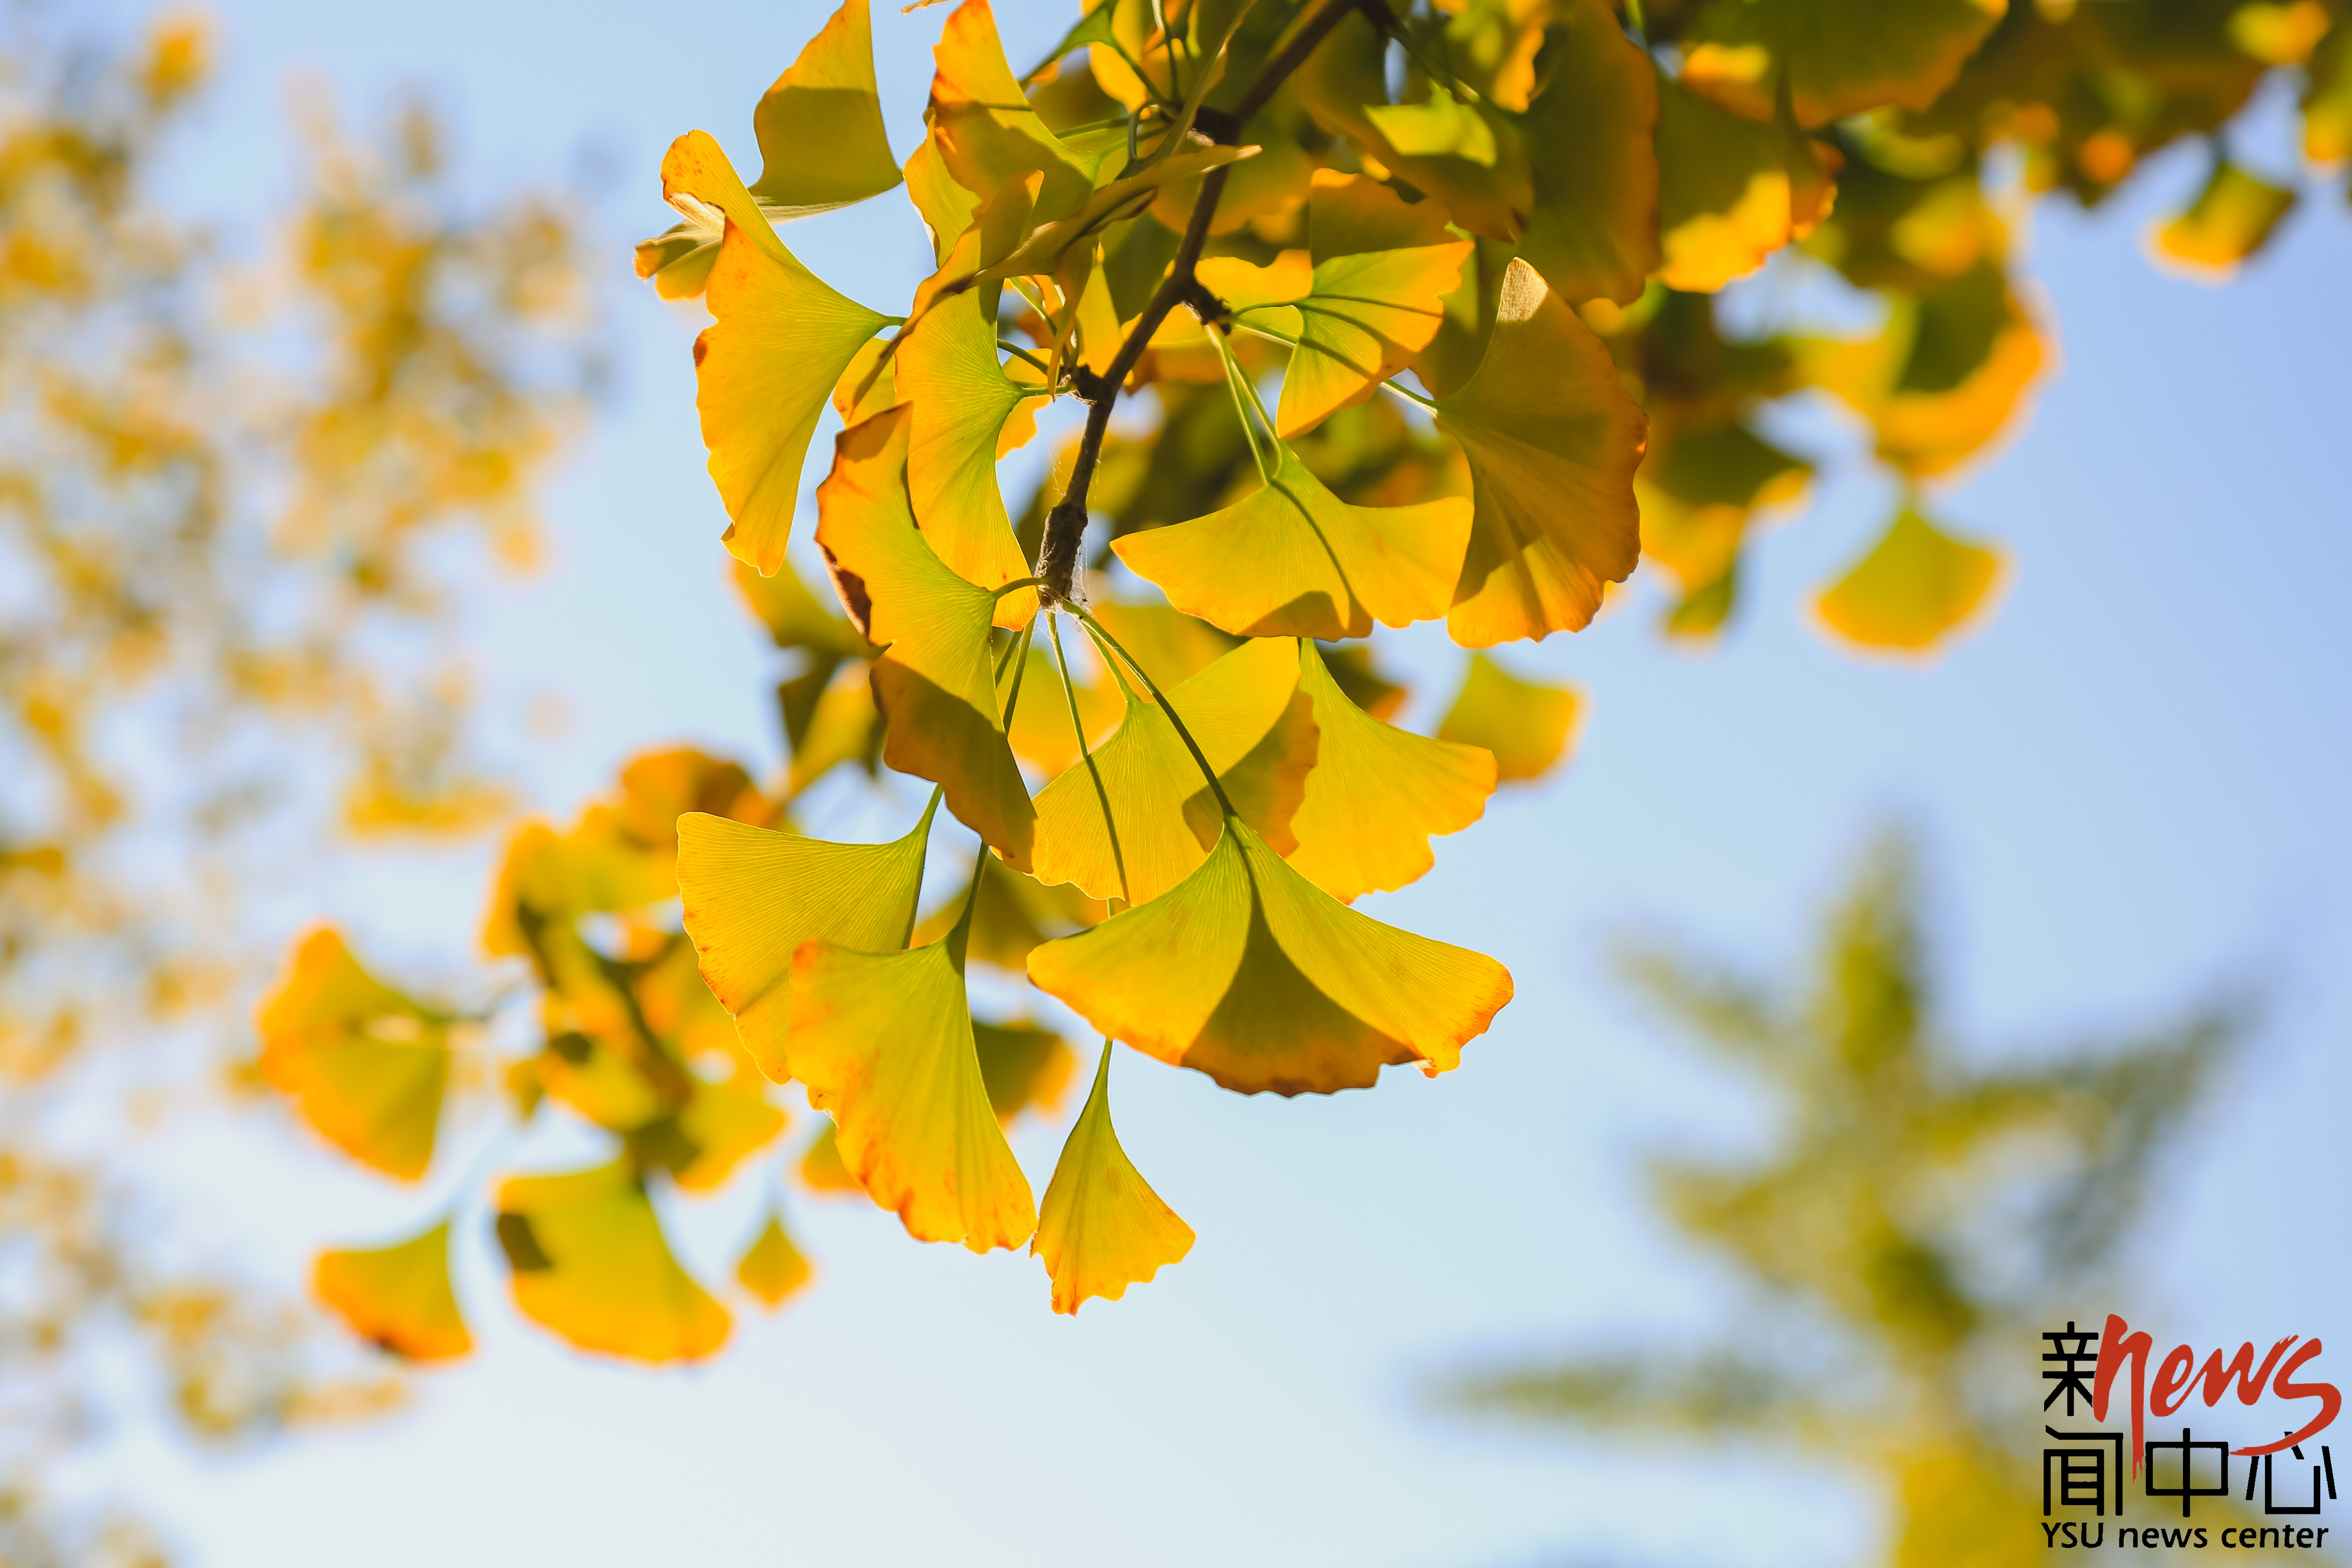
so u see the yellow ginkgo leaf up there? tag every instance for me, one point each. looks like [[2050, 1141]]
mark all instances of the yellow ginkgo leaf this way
[[723, 1124], [884, 1041], [1378, 794], [1593, 231], [771, 1267], [397, 1297], [1294, 560], [2328, 101], [1527, 726], [1171, 643], [1256, 976], [1845, 56], [765, 367], [935, 682], [365, 1065], [754, 896], [1255, 729], [1012, 913], [1045, 249], [1723, 192], [821, 144], [2232, 217], [1024, 1068], [1916, 588], [1102, 1227], [946, 208], [1553, 441], [590, 1263], [987, 133], [1042, 731], [953, 380]]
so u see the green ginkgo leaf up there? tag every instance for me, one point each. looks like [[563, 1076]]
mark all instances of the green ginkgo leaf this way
[[366, 1066], [1526, 725], [1553, 441], [935, 681], [1592, 230], [590, 1263], [1915, 589], [1101, 1228], [821, 144], [398, 1297]]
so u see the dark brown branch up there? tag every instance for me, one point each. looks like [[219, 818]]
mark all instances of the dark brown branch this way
[[1065, 525]]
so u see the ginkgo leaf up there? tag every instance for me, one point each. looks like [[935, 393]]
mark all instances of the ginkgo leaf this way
[[603, 1082], [1012, 913], [1171, 643], [1255, 729], [398, 1297], [1723, 192], [590, 1263], [1101, 1228], [821, 144], [1553, 441], [754, 896], [960, 397], [1042, 731], [2328, 101], [1378, 794], [988, 134], [1294, 560], [1916, 588], [935, 682], [1592, 230], [1845, 56], [946, 208], [1045, 247], [723, 1124], [1698, 492], [2232, 217], [780, 340], [1023, 1066], [366, 1066], [1527, 726], [1256, 976], [771, 1267], [821, 1169], [884, 1041]]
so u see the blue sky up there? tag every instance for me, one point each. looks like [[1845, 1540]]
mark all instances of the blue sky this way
[[2132, 782]]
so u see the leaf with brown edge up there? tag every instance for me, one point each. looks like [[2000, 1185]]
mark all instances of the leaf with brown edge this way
[[589, 1264], [398, 1297], [884, 1041], [821, 144], [987, 133], [2232, 217], [953, 382], [1024, 1068], [935, 682], [1553, 441], [1593, 228], [366, 1066], [1527, 726], [1294, 560], [1378, 794], [1845, 56], [1255, 729], [754, 896], [1101, 1228], [773, 1268], [1251, 974], [1913, 591], [765, 367]]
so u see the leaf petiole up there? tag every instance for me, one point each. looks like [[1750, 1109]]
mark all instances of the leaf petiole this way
[[1086, 755], [1160, 697]]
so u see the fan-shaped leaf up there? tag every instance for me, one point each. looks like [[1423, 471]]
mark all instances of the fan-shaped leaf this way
[[590, 1263], [1915, 587], [959, 398], [1102, 1227], [988, 135], [771, 1267], [366, 1066], [1526, 725], [821, 144], [1024, 1068], [2232, 218], [397, 1297], [1592, 230]]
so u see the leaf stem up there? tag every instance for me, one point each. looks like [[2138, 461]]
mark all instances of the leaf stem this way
[[1085, 755], [1166, 707], [1235, 386]]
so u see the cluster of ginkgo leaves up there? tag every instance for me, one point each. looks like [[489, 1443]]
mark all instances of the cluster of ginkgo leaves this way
[[1424, 300]]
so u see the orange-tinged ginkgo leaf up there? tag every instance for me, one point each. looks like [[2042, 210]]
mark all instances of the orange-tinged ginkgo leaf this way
[[2232, 217], [1101, 1228], [752, 896], [1253, 975], [1593, 231], [1294, 560], [1378, 794], [590, 1264], [1916, 588], [935, 682], [771, 1267], [950, 374], [821, 144], [1723, 192], [780, 340], [1527, 726], [365, 1065], [1553, 441], [1847, 56], [397, 1297], [1252, 724], [988, 134], [884, 1041]]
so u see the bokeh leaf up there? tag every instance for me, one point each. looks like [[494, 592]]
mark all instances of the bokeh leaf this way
[[366, 1066], [1592, 230], [589, 1263], [397, 1297], [1845, 56], [1916, 588], [1526, 725], [773, 1268], [2232, 217]]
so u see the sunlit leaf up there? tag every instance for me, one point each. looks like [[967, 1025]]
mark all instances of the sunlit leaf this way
[[1378, 794], [771, 1267], [397, 1297], [724, 1124], [1251, 974], [1013, 913], [1914, 590], [1101, 1228], [1024, 1068], [821, 144], [1723, 192], [988, 135], [1553, 441], [1592, 230], [1169, 643], [1045, 248], [590, 1263], [959, 397], [821, 1169], [1042, 731], [365, 1065], [884, 1041], [936, 682], [1845, 56], [2279, 34], [1527, 725], [754, 896], [2232, 218]]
